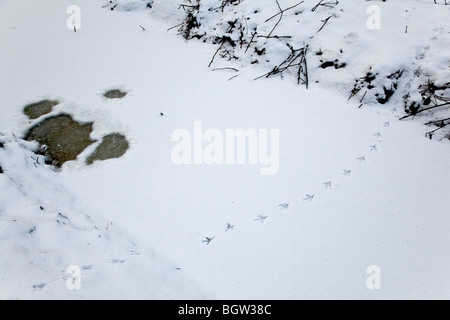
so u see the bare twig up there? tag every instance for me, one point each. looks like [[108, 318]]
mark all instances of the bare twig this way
[[251, 41], [353, 93], [324, 23], [214, 56], [227, 68], [297, 58], [275, 37], [425, 109], [363, 97], [329, 4], [281, 13], [178, 25]]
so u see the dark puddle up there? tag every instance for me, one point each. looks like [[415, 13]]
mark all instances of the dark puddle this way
[[113, 146], [63, 137], [38, 109], [114, 94]]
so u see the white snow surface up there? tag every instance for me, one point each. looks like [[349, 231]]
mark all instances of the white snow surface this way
[[135, 225]]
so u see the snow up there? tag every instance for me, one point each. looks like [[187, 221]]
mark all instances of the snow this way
[[135, 226]]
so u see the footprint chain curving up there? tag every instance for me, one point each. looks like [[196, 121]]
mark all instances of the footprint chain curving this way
[[263, 217]]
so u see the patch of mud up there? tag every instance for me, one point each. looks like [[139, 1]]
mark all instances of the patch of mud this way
[[113, 146], [63, 137], [114, 94], [38, 109]]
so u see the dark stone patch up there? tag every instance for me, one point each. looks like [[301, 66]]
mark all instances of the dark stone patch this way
[[63, 137], [38, 109], [114, 94], [113, 146]]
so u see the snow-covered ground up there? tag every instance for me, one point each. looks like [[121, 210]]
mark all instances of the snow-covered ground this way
[[355, 187]]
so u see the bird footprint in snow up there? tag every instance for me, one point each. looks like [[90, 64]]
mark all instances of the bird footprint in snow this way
[[39, 286], [261, 218], [377, 135], [229, 227], [361, 159], [373, 148], [283, 206], [309, 197], [347, 173], [387, 124], [207, 240], [327, 184]]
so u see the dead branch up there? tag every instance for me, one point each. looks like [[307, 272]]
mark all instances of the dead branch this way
[[324, 23], [363, 97], [282, 11], [281, 14], [251, 41], [329, 4], [178, 25], [226, 68], [440, 123], [297, 58], [425, 109], [275, 37], [214, 56]]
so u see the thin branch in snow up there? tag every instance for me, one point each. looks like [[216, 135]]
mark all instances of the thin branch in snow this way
[[251, 41], [281, 14], [214, 56], [363, 96], [178, 25], [282, 11], [414, 113], [297, 58], [324, 23], [329, 4], [227, 68]]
